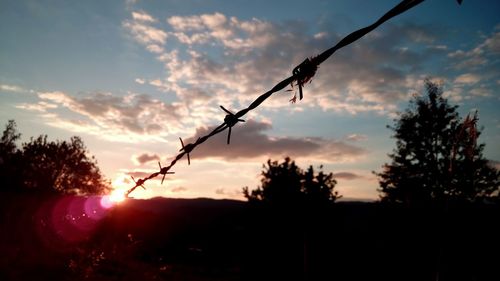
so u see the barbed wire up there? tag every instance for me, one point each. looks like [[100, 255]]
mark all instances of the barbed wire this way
[[301, 74]]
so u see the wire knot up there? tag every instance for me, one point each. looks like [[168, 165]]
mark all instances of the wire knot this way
[[139, 182], [302, 74], [188, 148], [230, 120], [164, 171]]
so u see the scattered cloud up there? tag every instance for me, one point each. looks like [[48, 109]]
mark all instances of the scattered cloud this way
[[356, 137], [143, 16], [481, 91], [235, 194], [477, 56], [12, 88], [154, 48], [178, 189], [439, 47], [183, 23], [217, 27], [249, 141], [138, 174], [129, 118], [145, 158], [143, 32], [146, 34], [467, 78], [140, 81], [38, 107], [455, 94], [346, 176], [365, 77]]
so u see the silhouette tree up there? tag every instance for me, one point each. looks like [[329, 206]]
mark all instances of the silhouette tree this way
[[49, 166], [436, 156], [10, 157], [63, 167], [285, 184]]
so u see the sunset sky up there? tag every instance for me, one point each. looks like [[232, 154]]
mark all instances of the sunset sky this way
[[131, 77]]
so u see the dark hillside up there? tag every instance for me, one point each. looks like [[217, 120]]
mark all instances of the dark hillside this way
[[206, 239]]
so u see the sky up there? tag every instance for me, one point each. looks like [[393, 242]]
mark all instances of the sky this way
[[131, 77]]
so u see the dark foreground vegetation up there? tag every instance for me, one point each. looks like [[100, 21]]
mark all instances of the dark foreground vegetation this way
[[204, 239]]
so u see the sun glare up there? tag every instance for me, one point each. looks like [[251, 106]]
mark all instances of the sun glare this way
[[117, 196]]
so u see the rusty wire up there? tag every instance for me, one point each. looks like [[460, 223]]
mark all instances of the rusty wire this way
[[301, 74]]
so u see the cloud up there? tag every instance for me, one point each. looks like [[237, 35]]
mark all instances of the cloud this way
[[146, 34], [249, 141], [178, 189], [154, 48], [346, 176], [229, 61], [235, 194], [143, 32], [367, 76], [467, 78], [145, 158], [492, 44], [465, 86], [12, 88], [129, 118], [140, 174], [140, 81], [356, 137], [143, 16], [481, 91], [477, 56], [455, 93], [217, 27], [39, 107], [183, 23]]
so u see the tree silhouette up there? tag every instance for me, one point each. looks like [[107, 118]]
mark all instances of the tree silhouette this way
[[436, 156], [285, 184], [10, 157], [49, 166]]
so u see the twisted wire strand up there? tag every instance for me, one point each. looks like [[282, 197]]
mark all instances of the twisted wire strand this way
[[301, 74]]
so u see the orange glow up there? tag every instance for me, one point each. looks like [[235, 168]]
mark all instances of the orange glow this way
[[112, 199], [117, 196]]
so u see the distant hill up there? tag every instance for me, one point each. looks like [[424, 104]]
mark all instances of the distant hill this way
[[163, 204]]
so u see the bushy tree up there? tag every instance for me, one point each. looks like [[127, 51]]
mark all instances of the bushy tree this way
[[436, 156], [285, 184], [49, 166]]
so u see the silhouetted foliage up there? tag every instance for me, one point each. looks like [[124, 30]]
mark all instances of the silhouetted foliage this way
[[286, 184], [436, 156], [49, 166], [10, 157]]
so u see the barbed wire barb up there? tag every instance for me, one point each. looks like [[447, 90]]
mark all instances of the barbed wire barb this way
[[230, 120], [164, 171], [139, 182], [303, 73], [187, 149]]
